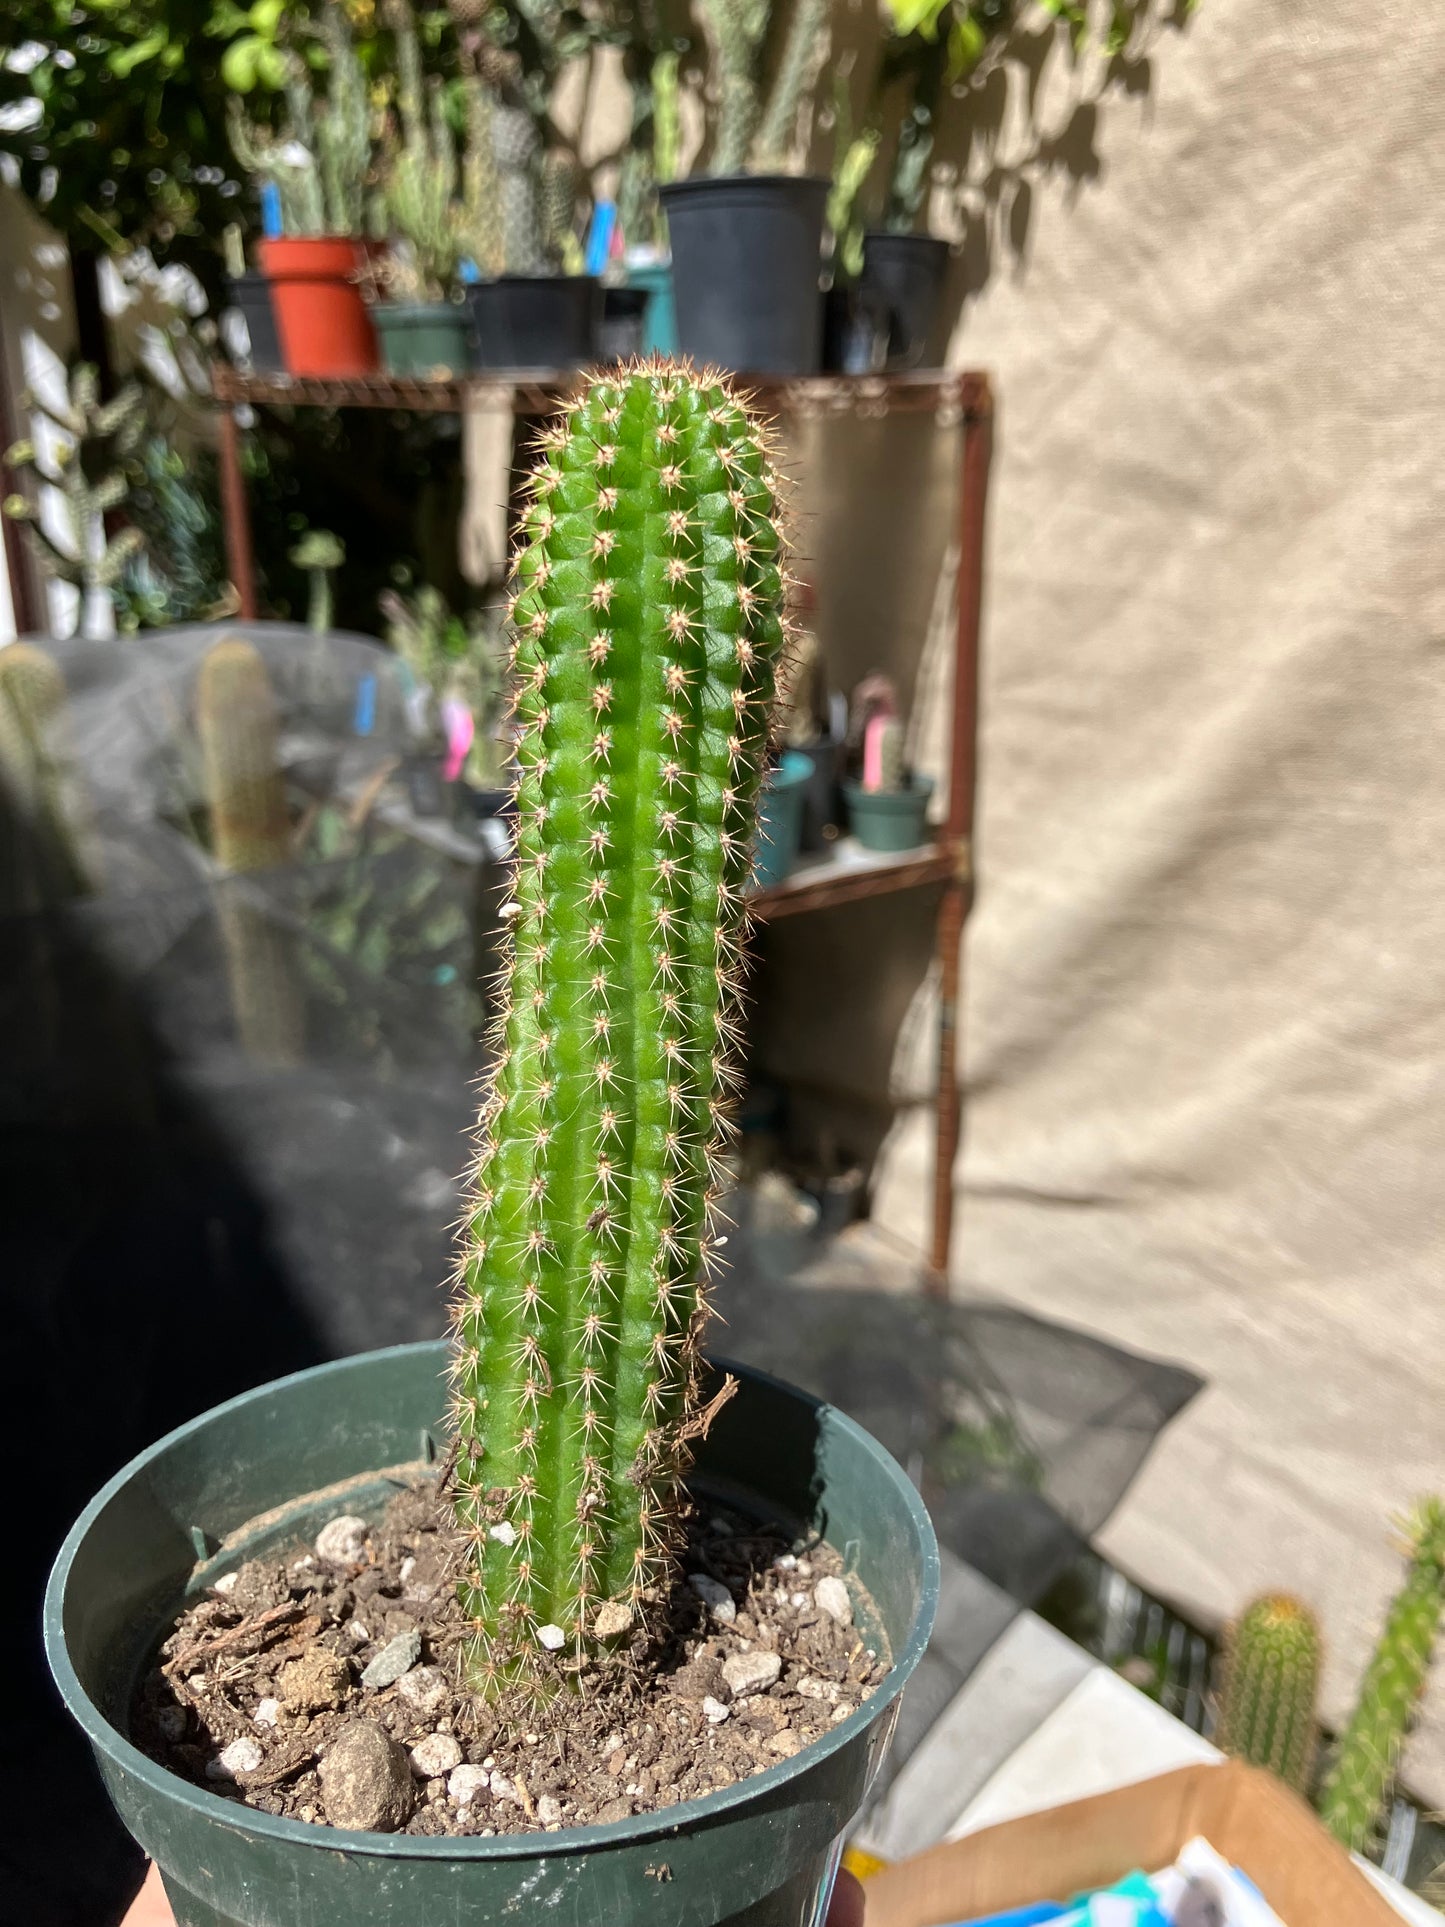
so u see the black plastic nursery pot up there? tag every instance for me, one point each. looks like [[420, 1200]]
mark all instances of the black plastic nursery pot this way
[[272, 1466], [746, 257], [251, 297], [534, 320], [902, 283]]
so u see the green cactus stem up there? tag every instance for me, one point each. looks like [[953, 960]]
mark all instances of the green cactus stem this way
[[1271, 1683], [517, 150], [560, 176], [250, 832], [1362, 1772], [40, 864], [421, 174], [89, 464], [737, 29], [480, 227], [319, 553], [797, 65], [649, 625], [320, 160]]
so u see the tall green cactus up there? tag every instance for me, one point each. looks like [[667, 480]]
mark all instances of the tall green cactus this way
[[246, 794], [517, 152], [320, 160], [648, 623], [40, 864], [421, 171], [1352, 1800], [750, 133], [89, 464], [1271, 1682]]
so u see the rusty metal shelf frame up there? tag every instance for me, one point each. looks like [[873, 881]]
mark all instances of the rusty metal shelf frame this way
[[959, 399]]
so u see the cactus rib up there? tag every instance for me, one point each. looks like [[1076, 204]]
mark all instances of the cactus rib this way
[[649, 624]]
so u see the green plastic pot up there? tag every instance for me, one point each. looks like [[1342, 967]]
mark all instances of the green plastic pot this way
[[422, 338], [761, 1853], [889, 820], [780, 819]]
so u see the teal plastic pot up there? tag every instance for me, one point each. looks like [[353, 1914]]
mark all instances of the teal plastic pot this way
[[891, 820], [422, 338], [225, 1488], [780, 819], [659, 322]]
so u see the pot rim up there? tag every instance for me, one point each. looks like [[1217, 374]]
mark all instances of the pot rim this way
[[692, 183], [520, 1846]]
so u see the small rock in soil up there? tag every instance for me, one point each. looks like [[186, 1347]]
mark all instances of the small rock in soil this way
[[366, 1780], [434, 1756], [751, 1672], [241, 1756], [715, 1596], [171, 1722], [832, 1598], [226, 1583], [314, 1683], [784, 1745], [342, 1542], [549, 1810], [699, 1679], [552, 1637], [714, 1710], [396, 1657], [424, 1689], [267, 1711], [465, 1783], [612, 1617]]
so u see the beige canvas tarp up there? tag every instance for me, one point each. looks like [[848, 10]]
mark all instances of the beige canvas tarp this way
[[1206, 975]]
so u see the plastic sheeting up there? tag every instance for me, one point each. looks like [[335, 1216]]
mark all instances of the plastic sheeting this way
[[1205, 1008]]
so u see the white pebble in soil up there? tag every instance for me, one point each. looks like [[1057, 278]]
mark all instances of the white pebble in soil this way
[[267, 1711], [226, 1584], [342, 1541], [818, 1689], [502, 1788], [786, 1562], [714, 1710], [505, 1533], [612, 1617], [241, 1756], [396, 1657], [800, 1600], [552, 1637], [424, 1689], [434, 1756], [831, 1597], [751, 1672], [407, 1568], [715, 1596], [549, 1810], [464, 1783]]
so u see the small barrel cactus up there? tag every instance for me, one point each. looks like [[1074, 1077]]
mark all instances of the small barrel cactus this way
[[1271, 1681], [1352, 1800], [648, 627]]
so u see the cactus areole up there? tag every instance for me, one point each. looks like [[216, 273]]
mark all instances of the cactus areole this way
[[648, 627]]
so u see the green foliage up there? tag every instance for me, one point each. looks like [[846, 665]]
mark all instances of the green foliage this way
[[649, 625], [88, 464], [1362, 1772], [181, 574], [1271, 1683], [457, 659]]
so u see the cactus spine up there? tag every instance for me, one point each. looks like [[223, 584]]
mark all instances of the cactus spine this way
[[236, 720], [1362, 1772], [1271, 1680], [648, 624]]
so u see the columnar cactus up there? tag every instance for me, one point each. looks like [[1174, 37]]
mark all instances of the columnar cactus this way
[[1271, 1680], [40, 866], [421, 169], [320, 161], [236, 722], [517, 149], [1352, 1801], [648, 629], [796, 68], [559, 210], [749, 133]]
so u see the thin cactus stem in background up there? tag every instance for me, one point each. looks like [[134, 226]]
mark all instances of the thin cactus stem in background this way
[[1357, 1786], [559, 211], [648, 625], [320, 161], [95, 443], [1271, 1683], [250, 831], [517, 150], [421, 174], [480, 230], [40, 866], [319, 552], [796, 67], [737, 29]]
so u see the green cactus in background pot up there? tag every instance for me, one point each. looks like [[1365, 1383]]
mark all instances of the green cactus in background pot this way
[[1357, 1786], [1271, 1682], [40, 864], [648, 628]]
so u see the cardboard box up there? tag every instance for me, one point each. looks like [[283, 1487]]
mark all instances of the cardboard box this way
[[1254, 1822]]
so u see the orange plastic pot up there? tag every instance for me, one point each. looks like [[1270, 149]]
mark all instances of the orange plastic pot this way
[[324, 324]]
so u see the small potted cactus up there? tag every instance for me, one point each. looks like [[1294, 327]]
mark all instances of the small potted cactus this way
[[580, 1413], [456, 673], [887, 802], [747, 237], [316, 173], [420, 321]]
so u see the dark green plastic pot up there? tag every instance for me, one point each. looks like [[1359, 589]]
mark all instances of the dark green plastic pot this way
[[422, 338], [892, 820], [761, 1853]]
